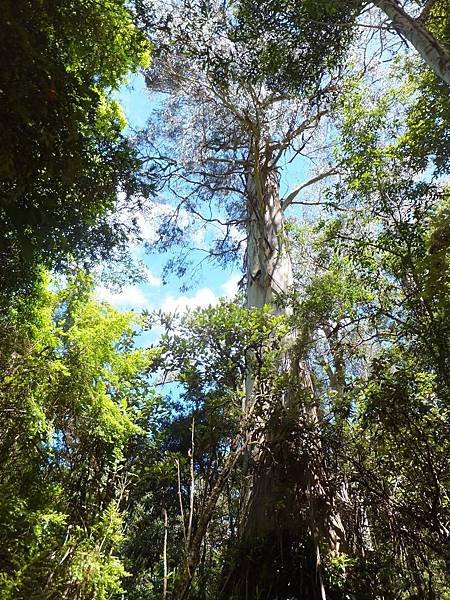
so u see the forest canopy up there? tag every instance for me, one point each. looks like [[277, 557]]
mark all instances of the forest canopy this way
[[288, 440]]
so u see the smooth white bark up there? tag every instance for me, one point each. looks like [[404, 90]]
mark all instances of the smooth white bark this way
[[430, 49]]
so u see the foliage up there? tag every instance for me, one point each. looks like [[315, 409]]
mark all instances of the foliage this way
[[297, 44], [332, 401], [68, 405], [205, 356], [382, 362], [63, 157]]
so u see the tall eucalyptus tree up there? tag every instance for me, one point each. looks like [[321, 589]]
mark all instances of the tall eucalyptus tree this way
[[219, 139]]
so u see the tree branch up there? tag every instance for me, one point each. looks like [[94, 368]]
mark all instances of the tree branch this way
[[294, 193], [310, 123], [430, 49]]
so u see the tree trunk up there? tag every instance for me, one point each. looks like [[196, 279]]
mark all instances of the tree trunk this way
[[284, 492], [269, 268], [431, 50]]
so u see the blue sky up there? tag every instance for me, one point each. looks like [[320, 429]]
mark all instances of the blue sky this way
[[208, 284]]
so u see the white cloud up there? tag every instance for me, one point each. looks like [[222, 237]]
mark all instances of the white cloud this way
[[151, 279], [198, 238], [130, 296], [202, 298], [230, 287]]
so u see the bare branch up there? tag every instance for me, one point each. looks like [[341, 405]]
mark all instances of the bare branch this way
[[166, 524], [294, 193], [192, 492]]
